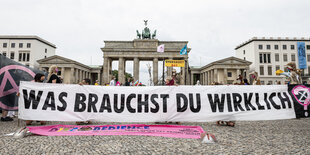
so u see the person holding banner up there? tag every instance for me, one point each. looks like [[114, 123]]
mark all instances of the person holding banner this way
[[37, 78], [52, 75]]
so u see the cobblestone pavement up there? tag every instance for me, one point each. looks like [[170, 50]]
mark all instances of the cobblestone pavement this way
[[257, 137]]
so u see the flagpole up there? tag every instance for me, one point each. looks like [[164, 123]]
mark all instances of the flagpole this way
[[164, 71]]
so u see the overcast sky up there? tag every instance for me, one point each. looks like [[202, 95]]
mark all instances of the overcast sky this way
[[212, 27]]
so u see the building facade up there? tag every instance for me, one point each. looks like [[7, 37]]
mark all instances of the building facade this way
[[26, 49], [224, 71], [270, 54], [71, 72]]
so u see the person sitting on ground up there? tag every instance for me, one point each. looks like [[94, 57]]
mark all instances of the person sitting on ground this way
[[52, 75], [37, 78], [84, 82]]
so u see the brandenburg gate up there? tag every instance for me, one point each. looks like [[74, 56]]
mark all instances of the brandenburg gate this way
[[144, 48]]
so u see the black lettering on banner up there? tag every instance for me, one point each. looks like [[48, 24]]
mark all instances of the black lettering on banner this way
[[237, 99], [164, 97], [122, 107], [129, 98], [272, 101], [92, 101], [181, 108], [247, 101], [228, 96], [104, 106], [191, 103], [144, 103], [285, 99], [259, 106], [266, 100], [156, 109], [62, 100], [80, 99], [216, 102], [32, 98], [50, 96]]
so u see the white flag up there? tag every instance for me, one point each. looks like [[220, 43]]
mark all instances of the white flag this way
[[161, 48]]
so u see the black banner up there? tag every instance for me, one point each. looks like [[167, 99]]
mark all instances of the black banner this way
[[11, 73], [301, 97]]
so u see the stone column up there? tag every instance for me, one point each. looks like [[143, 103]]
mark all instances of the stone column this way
[[206, 78], [63, 73], [182, 82], [169, 69], [192, 79], [76, 75], [212, 76], [106, 70], [72, 78], [155, 71], [136, 66], [121, 76], [98, 78], [202, 78], [225, 76], [110, 70], [209, 78], [216, 79]]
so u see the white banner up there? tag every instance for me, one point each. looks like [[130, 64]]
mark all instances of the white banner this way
[[63, 102]]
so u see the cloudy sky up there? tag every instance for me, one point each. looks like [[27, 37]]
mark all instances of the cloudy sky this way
[[212, 27]]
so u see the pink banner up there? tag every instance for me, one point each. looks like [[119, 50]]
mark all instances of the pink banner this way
[[176, 131]]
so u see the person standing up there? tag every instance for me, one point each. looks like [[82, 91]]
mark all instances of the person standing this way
[[112, 82], [52, 75]]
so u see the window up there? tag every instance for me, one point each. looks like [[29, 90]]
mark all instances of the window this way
[[243, 51], [285, 57], [268, 47], [20, 57], [284, 47], [45, 50], [293, 57], [269, 70], [44, 56], [260, 58], [4, 54], [277, 67], [243, 58], [308, 47], [260, 47], [24, 56], [262, 82], [276, 56], [269, 83], [276, 47], [20, 45], [264, 58], [28, 45], [12, 45], [308, 70], [28, 57], [229, 74], [12, 55], [261, 70], [5, 45], [292, 47], [308, 57]]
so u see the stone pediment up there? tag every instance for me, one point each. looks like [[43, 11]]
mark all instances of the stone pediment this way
[[55, 59], [231, 61]]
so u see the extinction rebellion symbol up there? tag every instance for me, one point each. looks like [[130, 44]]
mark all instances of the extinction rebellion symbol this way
[[7, 77], [302, 95]]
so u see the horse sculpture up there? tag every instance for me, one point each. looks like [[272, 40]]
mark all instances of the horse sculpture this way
[[138, 34]]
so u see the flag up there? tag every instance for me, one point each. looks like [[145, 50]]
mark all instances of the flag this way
[[301, 55], [11, 73], [183, 50], [161, 48]]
